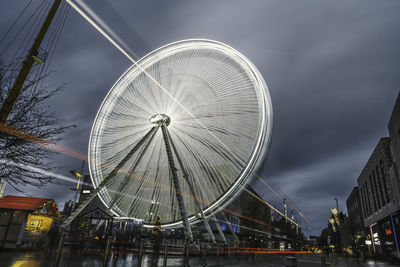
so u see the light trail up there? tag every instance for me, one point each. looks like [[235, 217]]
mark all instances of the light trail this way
[[29, 137], [21, 134], [34, 139], [270, 206], [280, 194], [109, 34]]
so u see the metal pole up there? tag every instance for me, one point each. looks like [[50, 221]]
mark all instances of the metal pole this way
[[229, 226], [139, 263], [204, 256], [178, 192], [237, 254], [219, 230], [218, 262], [59, 251], [165, 254], [337, 206], [27, 65], [106, 252], [191, 188], [229, 256], [186, 258], [106, 180]]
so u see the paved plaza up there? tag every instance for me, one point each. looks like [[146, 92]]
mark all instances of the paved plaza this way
[[42, 259]]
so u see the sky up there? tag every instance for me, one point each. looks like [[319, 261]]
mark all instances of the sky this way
[[332, 69]]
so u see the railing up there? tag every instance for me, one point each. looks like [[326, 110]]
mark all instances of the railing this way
[[202, 254]]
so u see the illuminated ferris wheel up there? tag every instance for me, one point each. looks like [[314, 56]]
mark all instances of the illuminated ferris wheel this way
[[180, 133]]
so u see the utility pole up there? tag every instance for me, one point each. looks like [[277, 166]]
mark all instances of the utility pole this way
[[27, 65], [23, 74]]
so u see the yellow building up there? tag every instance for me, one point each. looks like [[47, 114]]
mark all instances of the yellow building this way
[[20, 215]]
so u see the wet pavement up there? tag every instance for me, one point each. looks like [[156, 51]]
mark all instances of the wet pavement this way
[[42, 258]]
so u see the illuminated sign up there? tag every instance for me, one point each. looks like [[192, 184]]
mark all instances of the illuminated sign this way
[[368, 242], [388, 231]]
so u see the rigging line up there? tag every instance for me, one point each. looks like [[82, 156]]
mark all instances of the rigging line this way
[[283, 196], [15, 22], [269, 205], [124, 52], [53, 41], [23, 26]]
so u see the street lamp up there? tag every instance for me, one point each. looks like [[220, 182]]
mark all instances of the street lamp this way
[[337, 205], [79, 176]]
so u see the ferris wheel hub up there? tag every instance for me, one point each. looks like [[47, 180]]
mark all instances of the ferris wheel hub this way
[[160, 119]]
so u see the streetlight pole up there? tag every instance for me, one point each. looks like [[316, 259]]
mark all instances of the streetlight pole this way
[[78, 175], [338, 226], [337, 205]]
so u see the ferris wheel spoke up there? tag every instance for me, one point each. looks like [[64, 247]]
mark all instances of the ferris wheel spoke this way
[[128, 178], [206, 171], [221, 150], [192, 190], [214, 112], [143, 183]]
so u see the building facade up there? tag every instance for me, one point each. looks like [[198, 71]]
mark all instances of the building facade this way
[[354, 210], [25, 219], [379, 195]]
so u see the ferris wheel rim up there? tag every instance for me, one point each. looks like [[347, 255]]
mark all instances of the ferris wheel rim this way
[[263, 135]]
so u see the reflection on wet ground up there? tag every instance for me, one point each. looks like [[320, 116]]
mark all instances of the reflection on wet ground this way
[[43, 259]]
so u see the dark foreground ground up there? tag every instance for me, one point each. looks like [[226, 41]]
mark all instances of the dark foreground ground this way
[[42, 258]]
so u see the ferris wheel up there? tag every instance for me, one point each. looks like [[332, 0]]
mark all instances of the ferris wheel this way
[[180, 134]]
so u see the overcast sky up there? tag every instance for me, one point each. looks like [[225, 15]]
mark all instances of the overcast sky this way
[[332, 68]]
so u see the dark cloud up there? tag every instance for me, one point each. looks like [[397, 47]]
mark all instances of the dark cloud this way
[[332, 68]]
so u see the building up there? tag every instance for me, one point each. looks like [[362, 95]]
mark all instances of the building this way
[[354, 211], [68, 205], [379, 195], [25, 217], [394, 131]]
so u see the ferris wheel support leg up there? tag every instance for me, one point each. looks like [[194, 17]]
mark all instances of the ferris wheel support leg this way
[[230, 226], [191, 188], [178, 191], [128, 176], [220, 230], [106, 180]]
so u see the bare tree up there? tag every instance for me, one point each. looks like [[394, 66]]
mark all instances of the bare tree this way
[[19, 156]]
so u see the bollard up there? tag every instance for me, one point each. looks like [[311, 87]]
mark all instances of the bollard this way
[[204, 262], [290, 261], [186, 259], [59, 251], [238, 254], [218, 262], [165, 254], [139, 263], [229, 256], [323, 262], [106, 252]]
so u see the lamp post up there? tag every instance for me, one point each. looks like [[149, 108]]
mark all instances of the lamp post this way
[[78, 175], [337, 205], [337, 219]]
